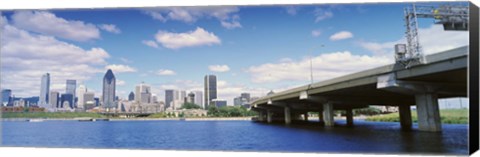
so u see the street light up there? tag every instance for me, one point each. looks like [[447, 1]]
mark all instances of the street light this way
[[311, 63]]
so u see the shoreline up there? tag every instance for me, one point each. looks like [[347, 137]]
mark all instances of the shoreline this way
[[135, 119]]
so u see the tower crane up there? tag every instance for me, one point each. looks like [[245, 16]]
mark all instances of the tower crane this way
[[453, 18]]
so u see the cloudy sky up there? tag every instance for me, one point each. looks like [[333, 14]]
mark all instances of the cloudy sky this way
[[251, 49]]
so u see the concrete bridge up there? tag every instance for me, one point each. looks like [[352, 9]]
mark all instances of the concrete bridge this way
[[443, 75]]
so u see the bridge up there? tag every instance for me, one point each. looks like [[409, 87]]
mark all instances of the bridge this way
[[443, 75]]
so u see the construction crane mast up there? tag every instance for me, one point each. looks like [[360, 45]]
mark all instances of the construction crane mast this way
[[451, 17]]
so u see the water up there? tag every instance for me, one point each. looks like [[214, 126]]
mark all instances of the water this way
[[364, 137]]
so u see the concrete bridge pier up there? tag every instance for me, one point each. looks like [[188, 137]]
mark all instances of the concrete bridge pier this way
[[320, 116], [428, 112], [261, 116], [305, 116], [269, 116], [288, 115], [405, 117], [328, 114], [349, 115]]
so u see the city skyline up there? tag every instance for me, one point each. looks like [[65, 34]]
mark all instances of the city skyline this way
[[146, 48]]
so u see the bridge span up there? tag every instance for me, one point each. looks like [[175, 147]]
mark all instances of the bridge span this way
[[443, 75]]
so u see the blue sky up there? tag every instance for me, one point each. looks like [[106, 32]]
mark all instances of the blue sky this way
[[250, 48]]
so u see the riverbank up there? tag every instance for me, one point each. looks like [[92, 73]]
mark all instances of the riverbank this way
[[447, 116]]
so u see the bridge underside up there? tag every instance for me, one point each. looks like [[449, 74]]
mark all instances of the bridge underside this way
[[421, 86]]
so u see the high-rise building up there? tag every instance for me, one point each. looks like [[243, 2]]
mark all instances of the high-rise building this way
[[169, 96], [219, 103], [154, 99], [108, 94], [66, 101], [71, 88], [245, 96], [183, 96], [191, 98], [6, 97], [80, 97], [44, 89], [143, 93], [131, 96], [89, 100], [199, 98], [53, 99], [210, 84]]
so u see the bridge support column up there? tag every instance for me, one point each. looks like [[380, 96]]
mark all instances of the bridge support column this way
[[349, 115], [405, 117], [269, 116], [288, 115], [320, 116], [305, 116], [261, 116], [428, 112], [328, 114]]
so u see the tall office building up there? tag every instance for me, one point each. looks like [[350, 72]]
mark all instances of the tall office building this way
[[199, 98], [108, 94], [79, 92], [53, 99], [89, 100], [219, 103], [245, 96], [66, 101], [143, 93], [131, 96], [6, 97], [191, 98], [168, 97], [71, 89], [44, 89], [210, 84]]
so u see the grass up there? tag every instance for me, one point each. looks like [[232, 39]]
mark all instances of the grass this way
[[447, 116], [50, 115]]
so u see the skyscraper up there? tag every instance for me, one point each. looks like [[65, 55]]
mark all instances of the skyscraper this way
[[143, 93], [210, 84], [53, 99], [79, 92], [108, 94], [89, 100], [6, 97], [191, 97], [71, 87], [66, 101], [168, 97], [44, 89], [199, 98], [131, 96]]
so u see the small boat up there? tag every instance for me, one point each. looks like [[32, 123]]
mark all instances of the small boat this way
[[85, 120], [35, 120], [102, 119]]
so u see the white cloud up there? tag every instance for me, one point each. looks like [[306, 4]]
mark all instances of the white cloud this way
[[110, 28], [316, 33], [219, 68], [23, 65], [429, 40], [165, 72], [120, 82], [325, 66], [49, 24], [125, 60], [150, 43], [341, 35], [198, 37], [226, 15], [291, 10], [119, 68], [322, 14]]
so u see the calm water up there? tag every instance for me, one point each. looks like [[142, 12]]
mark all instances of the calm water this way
[[365, 137]]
